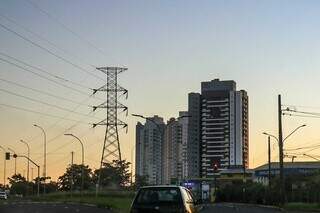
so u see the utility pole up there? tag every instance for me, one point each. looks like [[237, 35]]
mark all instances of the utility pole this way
[[72, 153], [269, 162], [111, 145], [44, 156], [282, 186], [71, 181], [82, 167]]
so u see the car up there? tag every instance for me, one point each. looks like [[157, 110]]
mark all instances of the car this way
[[3, 195], [164, 199]]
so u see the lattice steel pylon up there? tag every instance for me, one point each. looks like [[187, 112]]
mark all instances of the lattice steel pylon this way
[[111, 145]]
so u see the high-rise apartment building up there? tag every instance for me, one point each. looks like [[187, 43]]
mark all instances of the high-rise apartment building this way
[[172, 161], [194, 136], [149, 145], [175, 149], [223, 127], [183, 120]]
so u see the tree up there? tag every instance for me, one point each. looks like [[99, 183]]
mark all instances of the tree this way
[[114, 174], [140, 180], [73, 175], [19, 184]]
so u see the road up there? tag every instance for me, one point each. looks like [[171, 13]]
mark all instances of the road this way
[[237, 208], [49, 208], [33, 207]]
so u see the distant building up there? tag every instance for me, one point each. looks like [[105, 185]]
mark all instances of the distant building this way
[[218, 128], [289, 168], [175, 149], [149, 145], [172, 152], [194, 136], [184, 125]]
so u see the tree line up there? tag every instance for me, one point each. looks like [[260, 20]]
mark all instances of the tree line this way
[[114, 175]]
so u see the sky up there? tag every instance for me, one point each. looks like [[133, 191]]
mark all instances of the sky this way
[[268, 47]]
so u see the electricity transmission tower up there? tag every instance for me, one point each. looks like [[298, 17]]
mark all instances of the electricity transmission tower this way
[[111, 146]]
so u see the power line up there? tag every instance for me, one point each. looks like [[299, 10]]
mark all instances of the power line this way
[[49, 51], [300, 148], [44, 71], [42, 92], [303, 112], [303, 116], [301, 106], [43, 77], [90, 44], [65, 144], [44, 39], [64, 131], [40, 113], [44, 103]]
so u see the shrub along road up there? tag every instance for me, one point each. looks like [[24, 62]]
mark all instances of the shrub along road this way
[[244, 208]]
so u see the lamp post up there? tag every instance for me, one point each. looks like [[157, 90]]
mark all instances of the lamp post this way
[[44, 156], [269, 156], [82, 169], [15, 161], [281, 156], [4, 166], [22, 141]]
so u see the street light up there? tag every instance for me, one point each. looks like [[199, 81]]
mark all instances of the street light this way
[[82, 171], [149, 119], [296, 129], [269, 156], [44, 156], [4, 167], [280, 143], [15, 161], [22, 141]]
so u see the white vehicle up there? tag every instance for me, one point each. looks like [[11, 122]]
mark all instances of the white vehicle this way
[[3, 195]]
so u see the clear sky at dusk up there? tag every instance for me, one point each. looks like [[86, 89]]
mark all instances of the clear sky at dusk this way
[[268, 47]]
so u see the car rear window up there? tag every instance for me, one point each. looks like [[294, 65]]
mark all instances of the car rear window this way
[[158, 195]]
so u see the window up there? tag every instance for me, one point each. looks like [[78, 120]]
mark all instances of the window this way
[[159, 195]]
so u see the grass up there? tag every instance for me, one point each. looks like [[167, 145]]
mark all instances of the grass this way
[[315, 207], [117, 201]]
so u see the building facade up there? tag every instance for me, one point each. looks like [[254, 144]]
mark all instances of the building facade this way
[[172, 152], [149, 149], [184, 125], [223, 135], [194, 136]]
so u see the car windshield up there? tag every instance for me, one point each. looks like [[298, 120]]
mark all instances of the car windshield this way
[[158, 195]]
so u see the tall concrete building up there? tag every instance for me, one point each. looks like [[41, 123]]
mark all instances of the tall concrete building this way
[[149, 145], [194, 136], [172, 161], [184, 124], [175, 149], [223, 127]]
